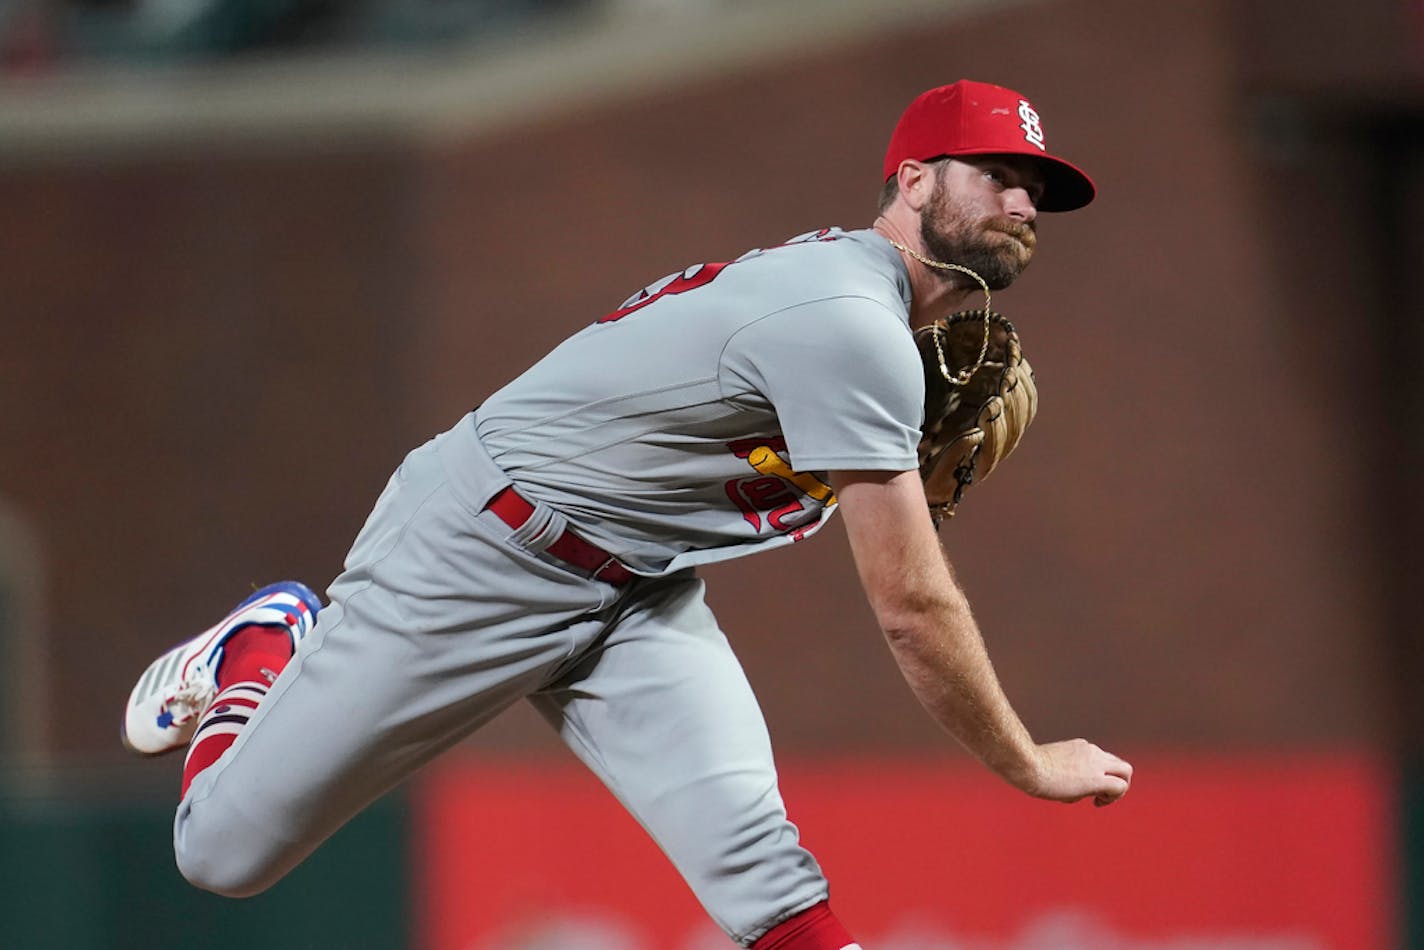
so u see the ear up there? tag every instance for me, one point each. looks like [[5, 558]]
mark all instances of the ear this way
[[917, 181]]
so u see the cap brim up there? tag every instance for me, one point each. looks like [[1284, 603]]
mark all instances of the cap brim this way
[[1066, 187]]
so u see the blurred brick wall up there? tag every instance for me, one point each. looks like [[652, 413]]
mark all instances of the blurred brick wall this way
[[197, 387], [211, 362]]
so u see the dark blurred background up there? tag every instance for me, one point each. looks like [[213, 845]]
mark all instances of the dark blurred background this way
[[255, 251]]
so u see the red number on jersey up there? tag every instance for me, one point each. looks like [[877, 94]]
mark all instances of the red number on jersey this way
[[697, 276]]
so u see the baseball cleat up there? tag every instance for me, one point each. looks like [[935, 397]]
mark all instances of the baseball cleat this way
[[174, 691]]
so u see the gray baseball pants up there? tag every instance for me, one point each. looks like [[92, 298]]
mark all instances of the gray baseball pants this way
[[443, 617]]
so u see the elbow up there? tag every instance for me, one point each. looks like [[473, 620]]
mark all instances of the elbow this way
[[909, 619], [910, 613]]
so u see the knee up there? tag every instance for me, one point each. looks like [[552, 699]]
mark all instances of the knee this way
[[222, 857], [225, 874]]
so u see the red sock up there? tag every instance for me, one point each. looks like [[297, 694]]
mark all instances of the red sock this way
[[815, 928], [252, 650], [252, 658], [219, 728]]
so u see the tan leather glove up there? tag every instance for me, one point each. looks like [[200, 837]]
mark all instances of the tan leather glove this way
[[980, 396]]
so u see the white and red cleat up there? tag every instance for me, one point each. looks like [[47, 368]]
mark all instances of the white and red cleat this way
[[174, 691]]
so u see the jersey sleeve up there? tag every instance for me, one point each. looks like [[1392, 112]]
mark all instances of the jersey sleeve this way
[[844, 378]]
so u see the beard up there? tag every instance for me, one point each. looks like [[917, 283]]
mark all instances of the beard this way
[[997, 248]]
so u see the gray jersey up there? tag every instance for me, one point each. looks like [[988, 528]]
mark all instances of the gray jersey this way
[[698, 421]]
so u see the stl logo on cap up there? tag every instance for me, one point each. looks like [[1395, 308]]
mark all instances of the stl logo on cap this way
[[1033, 131]]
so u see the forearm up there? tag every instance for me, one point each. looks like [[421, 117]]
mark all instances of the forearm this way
[[935, 641], [939, 650]]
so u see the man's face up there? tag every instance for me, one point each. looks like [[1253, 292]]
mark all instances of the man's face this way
[[981, 215]]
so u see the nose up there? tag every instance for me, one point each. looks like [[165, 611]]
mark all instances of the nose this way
[[1019, 206]]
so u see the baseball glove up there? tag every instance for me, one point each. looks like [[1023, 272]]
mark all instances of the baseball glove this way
[[980, 396]]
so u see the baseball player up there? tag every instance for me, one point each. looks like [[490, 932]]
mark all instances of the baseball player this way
[[545, 548]]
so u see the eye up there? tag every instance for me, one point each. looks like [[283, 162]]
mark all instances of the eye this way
[[1006, 177]]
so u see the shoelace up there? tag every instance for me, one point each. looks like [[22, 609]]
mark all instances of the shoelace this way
[[191, 698]]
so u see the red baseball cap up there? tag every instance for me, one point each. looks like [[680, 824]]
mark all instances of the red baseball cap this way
[[976, 118]]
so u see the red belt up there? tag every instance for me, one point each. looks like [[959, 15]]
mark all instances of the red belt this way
[[514, 510]]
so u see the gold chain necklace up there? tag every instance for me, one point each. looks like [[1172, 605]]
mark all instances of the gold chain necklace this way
[[963, 376]]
